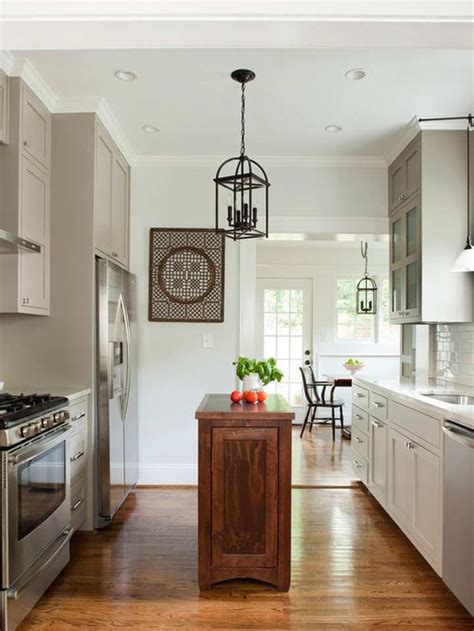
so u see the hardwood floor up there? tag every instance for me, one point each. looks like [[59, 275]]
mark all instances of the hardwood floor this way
[[318, 461], [351, 569]]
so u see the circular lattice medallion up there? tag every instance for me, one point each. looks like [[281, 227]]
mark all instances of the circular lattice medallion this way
[[186, 275]]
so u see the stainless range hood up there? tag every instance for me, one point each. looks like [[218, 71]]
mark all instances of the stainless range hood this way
[[11, 244]]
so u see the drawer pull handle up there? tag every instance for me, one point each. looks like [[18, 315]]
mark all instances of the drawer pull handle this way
[[378, 404], [77, 504], [78, 416], [375, 424], [358, 440], [27, 143], [359, 395], [359, 417], [410, 445], [77, 456], [357, 464]]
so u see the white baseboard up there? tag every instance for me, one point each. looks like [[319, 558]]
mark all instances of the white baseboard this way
[[167, 473]]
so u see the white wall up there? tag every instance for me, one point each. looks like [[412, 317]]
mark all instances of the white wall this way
[[174, 371], [323, 263]]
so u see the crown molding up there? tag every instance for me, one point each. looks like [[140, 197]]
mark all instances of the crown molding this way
[[34, 81], [112, 125], [6, 61], [372, 162]]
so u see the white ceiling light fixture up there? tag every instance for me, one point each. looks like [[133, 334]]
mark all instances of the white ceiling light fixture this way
[[125, 75], [150, 129], [355, 74], [332, 129]]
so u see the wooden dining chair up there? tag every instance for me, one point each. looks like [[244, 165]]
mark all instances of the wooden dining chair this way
[[315, 400]]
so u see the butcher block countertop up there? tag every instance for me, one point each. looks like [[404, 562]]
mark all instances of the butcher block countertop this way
[[219, 406]]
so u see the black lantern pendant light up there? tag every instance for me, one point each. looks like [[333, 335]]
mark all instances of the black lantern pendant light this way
[[366, 287], [238, 181]]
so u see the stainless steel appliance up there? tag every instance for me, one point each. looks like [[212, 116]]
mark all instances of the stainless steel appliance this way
[[116, 396], [35, 499], [458, 506]]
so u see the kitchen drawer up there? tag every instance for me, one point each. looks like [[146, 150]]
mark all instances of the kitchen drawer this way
[[360, 443], [78, 503], [360, 420], [417, 423], [360, 396], [378, 406], [78, 451], [360, 468], [78, 410]]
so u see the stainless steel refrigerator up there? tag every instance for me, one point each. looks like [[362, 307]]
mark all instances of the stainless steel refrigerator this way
[[116, 389]]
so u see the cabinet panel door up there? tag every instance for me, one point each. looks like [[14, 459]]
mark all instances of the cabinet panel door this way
[[244, 478], [377, 459], [3, 107], [34, 202], [400, 478], [120, 205], [103, 194], [412, 158], [396, 184], [34, 279], [426, 499], [36, 128]]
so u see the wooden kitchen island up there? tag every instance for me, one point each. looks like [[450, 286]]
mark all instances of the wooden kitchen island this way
[[244, 490]]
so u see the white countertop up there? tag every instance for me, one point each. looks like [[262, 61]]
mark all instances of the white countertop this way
[[71, 392], [410, 392]]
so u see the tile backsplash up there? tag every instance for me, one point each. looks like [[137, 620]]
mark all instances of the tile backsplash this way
[[453, 353]]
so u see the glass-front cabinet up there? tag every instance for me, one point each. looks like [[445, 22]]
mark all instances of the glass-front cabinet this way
[[405, 262]]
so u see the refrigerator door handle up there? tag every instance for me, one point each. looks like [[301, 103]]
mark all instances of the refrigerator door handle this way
[[110, 371], [128, 336]]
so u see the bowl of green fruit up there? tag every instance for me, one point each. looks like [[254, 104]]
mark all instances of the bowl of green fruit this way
[[353, 365]]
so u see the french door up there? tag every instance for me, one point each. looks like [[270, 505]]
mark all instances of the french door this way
[[284, 331]]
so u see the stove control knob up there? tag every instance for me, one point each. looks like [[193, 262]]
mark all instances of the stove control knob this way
[[47, 422], [61, 417], [36, 427], [24, 432]]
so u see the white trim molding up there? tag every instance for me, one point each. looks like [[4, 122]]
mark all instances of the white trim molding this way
[[167, 473], [6, 61], [25, 69], [328, 225], [372, 162]]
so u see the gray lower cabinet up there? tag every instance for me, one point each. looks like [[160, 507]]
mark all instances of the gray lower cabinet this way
[[377, 479], [78, 466], [427, 218]]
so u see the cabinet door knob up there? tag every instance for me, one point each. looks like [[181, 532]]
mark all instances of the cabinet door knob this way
[[27, 143], [115, 254], [307, 352], [307, 362]]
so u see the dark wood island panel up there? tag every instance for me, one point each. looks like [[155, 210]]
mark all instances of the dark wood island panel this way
[[244, 490]]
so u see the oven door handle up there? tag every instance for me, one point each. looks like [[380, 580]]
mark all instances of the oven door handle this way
[[16, 591], [37, 447]]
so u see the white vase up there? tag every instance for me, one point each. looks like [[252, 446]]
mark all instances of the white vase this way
[[252, 382]]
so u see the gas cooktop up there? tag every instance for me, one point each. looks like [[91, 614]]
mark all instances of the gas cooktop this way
[[17, 408]]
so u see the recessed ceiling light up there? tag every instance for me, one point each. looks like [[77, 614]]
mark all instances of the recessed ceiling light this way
[[355, 74], [150, 129], [125, 75], [332, 129]]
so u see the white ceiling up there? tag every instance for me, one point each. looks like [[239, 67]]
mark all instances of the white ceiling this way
[[188, 94]]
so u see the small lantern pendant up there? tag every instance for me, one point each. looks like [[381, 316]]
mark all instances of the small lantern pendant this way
[[240, 179], [366, 294]]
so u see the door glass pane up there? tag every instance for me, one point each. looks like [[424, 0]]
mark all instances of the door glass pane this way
[[269, 324], [412, 286], [411, 219], [396, 240], [41, 488], [397, 290]]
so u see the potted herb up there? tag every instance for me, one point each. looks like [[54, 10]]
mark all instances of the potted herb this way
[[256, 373]]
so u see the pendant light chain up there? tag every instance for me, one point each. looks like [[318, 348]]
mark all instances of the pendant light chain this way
[[468, 242], [242, 122], [364, 246]]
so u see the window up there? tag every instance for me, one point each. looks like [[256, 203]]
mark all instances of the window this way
[[365, 328]]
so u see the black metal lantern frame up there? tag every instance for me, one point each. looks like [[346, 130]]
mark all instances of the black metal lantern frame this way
[[240, 178], [366, 290]]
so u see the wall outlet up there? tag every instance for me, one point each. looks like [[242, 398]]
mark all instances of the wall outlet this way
[[207, 340]]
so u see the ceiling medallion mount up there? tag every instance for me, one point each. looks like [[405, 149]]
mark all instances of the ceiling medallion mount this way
[[244, 184]]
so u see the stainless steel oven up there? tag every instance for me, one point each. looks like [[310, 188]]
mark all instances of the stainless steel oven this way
[[35, 521]]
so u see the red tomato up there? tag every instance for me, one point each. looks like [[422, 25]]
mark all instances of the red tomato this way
[[251, 397], [236, 396], [261, 395]]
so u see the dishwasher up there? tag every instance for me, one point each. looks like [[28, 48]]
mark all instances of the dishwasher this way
[[458, 511]]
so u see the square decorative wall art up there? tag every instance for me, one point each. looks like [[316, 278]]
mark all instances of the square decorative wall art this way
[[186, 281]]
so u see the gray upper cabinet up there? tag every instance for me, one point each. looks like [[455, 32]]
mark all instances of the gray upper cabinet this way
[[404, 175], [3, 107], [112, 192], [25, 184], [427, 217]]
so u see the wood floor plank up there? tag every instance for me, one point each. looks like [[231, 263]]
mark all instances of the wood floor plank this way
[[351, 569]]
